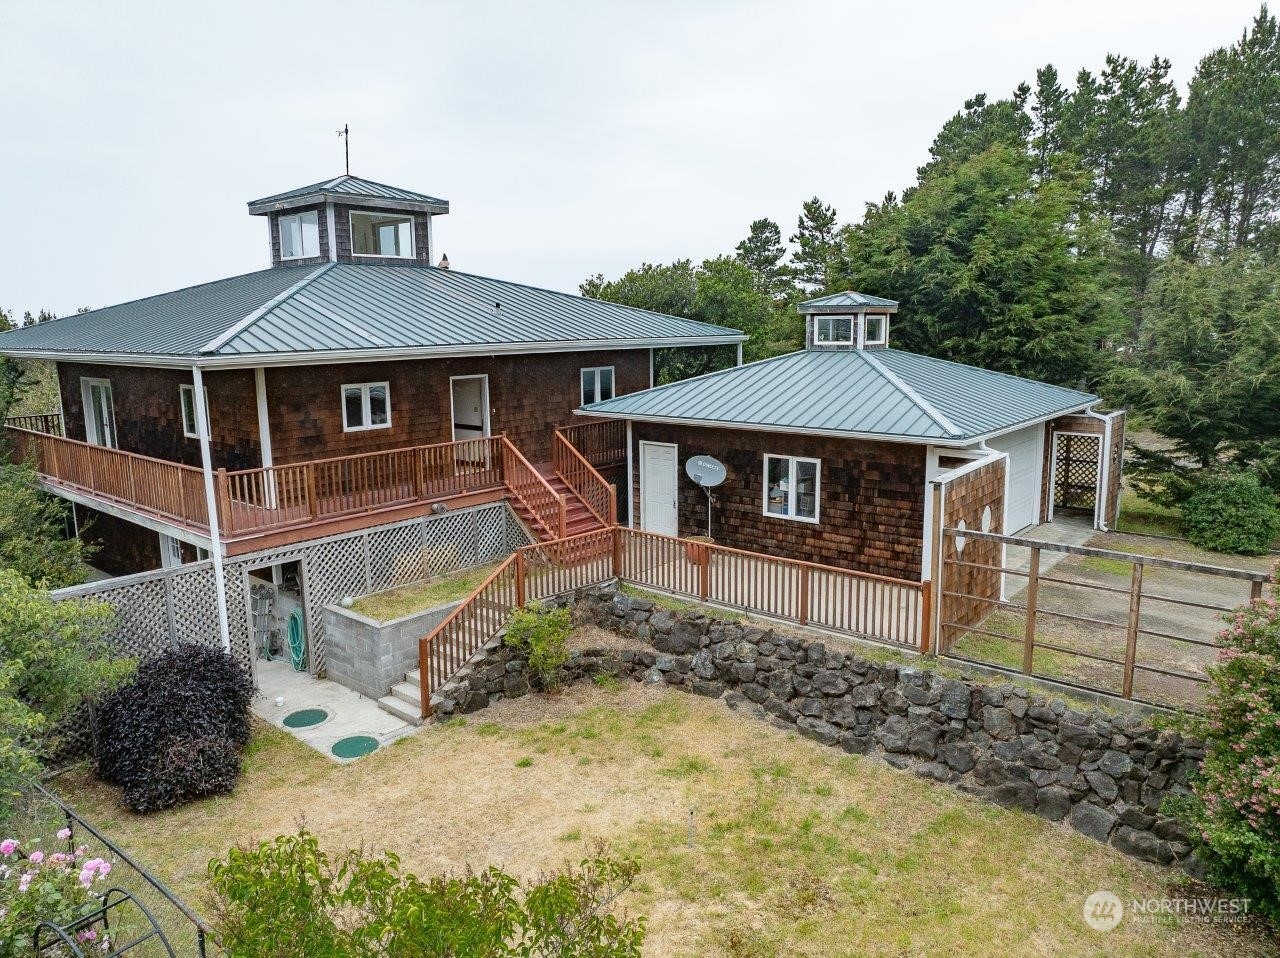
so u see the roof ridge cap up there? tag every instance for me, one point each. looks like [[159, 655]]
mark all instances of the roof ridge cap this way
[[898, 382], [238, 327]]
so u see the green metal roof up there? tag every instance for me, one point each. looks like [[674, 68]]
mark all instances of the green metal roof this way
[[839, 302], [345, 309], [880, 393], [349, 189]]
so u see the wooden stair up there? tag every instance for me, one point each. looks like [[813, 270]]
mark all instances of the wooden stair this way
[[578, 517]]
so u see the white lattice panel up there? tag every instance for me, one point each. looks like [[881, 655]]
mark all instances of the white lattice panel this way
[[395, 556]]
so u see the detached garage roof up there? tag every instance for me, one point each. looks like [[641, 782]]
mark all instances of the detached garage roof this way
[[878, 394], [349, 311]]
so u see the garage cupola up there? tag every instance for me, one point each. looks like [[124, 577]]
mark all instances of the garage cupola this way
[[847, 320]]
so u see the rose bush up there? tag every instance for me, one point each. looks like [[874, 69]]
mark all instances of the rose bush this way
[[39, 885]]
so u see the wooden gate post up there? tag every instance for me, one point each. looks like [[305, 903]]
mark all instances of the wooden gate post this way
[[1131, 639], [1033, 588]]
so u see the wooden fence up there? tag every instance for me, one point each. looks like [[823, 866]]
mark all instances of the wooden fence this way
[[1102, 631], [894, 611]]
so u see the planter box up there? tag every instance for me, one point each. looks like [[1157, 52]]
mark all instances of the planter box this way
[[369, 656]]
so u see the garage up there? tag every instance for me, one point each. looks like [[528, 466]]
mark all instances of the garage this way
[[1026, 457]]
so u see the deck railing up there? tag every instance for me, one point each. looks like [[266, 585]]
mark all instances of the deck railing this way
[[599, 495], [893, 611], [272, 497], [603, 443], [49, 423], [169, 490], [548, 508]]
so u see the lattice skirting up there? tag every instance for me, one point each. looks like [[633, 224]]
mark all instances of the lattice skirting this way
[[158, 610]]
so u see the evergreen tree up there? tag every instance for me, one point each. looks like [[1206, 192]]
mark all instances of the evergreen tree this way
[[762, 252], [816, 245]]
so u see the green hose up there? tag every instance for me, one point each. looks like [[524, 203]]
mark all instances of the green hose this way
[[297, 642]]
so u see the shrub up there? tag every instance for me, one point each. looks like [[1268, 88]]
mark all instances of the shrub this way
[[288, 898], [33, 539], [1231, 512], [1235, 810], [36, 886], [542, 635], [175, 732], [52, 659]]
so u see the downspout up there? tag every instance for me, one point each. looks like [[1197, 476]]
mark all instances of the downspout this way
[[211, 504], [1104, 471]]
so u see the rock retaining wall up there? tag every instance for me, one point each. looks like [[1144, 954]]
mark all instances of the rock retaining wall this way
[[1107, 775]]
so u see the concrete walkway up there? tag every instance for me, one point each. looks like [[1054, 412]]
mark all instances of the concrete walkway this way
[[349, 713], [1066, 530]]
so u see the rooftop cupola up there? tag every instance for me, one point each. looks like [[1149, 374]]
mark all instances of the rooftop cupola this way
[[350, 220], [847, 320]]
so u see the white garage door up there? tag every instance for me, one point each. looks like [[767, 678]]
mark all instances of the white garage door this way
[[1026, 451]]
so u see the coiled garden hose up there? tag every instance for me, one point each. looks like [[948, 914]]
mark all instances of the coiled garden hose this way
[[297, 642]]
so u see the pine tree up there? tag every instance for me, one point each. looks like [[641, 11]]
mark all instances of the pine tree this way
[[817, 248], [762, 252]]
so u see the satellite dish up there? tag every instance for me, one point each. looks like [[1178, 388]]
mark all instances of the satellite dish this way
[[705, 471]]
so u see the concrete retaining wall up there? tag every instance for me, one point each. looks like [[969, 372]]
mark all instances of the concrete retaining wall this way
[[369, 656]]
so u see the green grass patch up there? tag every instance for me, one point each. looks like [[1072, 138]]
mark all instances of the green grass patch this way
[[1144, 517], [525, 762], [1008, 654], [1117, 567], [420, 596]]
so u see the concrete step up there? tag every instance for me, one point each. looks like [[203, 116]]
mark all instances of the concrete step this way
[[408, 692], [401, 709]]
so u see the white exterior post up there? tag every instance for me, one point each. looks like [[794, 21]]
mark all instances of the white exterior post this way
[[631, 482], [264, 432], [211, 503]]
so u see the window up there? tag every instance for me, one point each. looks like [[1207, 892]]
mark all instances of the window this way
[[380, 234], [877, 325], [188, 396], [833, 330], [300, 235], [99, 412], [791, 487], [597, 384], [366, 406]]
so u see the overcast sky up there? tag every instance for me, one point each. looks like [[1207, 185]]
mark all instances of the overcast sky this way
[[569, 138]]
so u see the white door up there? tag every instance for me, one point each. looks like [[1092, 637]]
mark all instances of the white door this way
[[170, 552], [99, 413], [470, 402], [658, 462], [1026, 465]]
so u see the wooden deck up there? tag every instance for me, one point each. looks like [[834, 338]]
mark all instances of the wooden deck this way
[[279, 505]]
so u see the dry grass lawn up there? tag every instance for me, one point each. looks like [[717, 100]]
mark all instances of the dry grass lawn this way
[[798, 850]]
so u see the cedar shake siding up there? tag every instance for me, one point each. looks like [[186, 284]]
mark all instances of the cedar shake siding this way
[[529, 396], [148, 412], [871, 508], [122, 548]]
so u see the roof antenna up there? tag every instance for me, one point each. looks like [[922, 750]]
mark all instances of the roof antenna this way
[[345, 133]]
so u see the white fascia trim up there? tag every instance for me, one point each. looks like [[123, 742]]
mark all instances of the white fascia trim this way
[[240, 361], [213, 345], [929, 408]]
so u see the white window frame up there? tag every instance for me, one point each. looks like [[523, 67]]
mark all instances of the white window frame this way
[[792, 490], [189, 427], [595, 372], [91, 434], [280, 221], [366, 415], [351, 233], [883, 338], [818, 340]]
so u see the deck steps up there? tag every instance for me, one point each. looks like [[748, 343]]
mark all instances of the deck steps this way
[[578, 517]]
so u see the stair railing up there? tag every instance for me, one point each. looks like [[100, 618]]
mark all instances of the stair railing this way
[[548, 508], [597, 493]]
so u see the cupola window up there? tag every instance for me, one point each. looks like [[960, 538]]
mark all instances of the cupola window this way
[[877, 329], [300, 235], [380, 234], [833, 330]]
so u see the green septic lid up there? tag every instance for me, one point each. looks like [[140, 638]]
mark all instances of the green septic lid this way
[[304, 718], [354, 746]]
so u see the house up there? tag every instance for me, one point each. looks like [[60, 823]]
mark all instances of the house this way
[[831, 452], [341, 399]]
